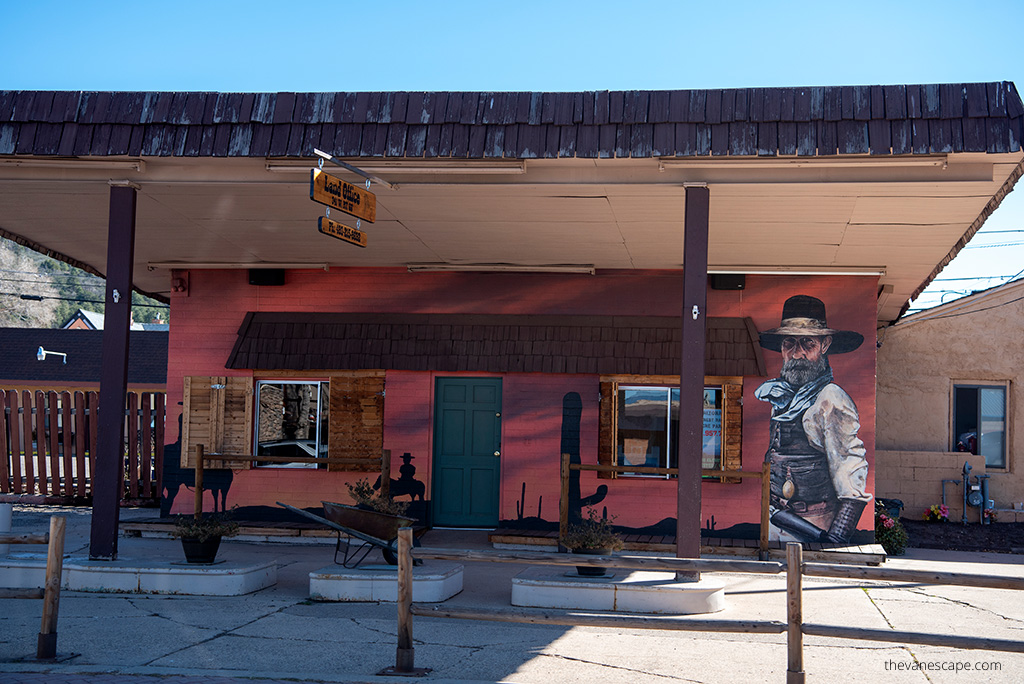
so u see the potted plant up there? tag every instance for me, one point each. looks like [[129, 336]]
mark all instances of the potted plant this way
[[889, 532], [200, 536], [592, 536]]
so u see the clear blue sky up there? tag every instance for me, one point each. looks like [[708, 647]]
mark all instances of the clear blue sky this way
[[525, 45]]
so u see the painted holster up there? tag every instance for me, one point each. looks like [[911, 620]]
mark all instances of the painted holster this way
[[800, 478]]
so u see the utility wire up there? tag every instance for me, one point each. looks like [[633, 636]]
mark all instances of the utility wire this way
[[39, 298]]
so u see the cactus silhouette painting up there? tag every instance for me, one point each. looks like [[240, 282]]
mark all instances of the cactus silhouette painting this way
[[572, 409]]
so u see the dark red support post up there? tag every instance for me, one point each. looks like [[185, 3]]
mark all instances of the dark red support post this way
[[691, 375], [108, 477]]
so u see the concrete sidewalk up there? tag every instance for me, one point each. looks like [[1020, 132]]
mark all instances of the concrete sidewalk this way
[[277, 634]]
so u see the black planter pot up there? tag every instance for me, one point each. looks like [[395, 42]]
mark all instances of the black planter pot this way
[[200, 552], [590, 571]]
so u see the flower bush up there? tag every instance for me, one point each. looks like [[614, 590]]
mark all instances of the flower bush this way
[[991, 515], [593, 532], [188, 527], [936, 513], [363, 493], [890, 533]]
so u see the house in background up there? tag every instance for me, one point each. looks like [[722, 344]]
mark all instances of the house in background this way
[[86, 320], [91, 320], [21, 369], [521, 292], [949, 382]]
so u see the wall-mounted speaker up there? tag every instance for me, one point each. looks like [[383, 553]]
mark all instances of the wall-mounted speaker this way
[[266, 276], [728, 281]]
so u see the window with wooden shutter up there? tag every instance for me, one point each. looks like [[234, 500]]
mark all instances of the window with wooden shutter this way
[[639, 419], [607, 454], [217, 413], [356, 434]]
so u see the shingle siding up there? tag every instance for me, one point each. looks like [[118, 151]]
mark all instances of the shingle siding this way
[[487, 343], [899, 119]]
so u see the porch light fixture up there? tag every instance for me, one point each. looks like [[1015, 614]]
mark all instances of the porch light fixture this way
[[800, 270], [232, 265], [504, 268], [470, 168], [79, 164], [933, 161], [43, 353]]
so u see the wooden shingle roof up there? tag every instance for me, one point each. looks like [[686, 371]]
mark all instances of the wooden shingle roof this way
[[812, 121], [642, 345]]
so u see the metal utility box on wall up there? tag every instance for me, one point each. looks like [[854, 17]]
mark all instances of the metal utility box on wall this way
[[266, 276], [728, 281]]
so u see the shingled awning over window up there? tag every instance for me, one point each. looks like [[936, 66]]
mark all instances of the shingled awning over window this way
[[642, 345]]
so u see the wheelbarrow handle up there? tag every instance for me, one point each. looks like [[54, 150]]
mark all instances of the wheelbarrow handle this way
[[390, 545]]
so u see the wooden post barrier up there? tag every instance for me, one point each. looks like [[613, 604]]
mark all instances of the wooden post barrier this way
[[794, 614], [404, 654], [200, 457], [563, 501], [766, 495], [794, 626], [46, 644]]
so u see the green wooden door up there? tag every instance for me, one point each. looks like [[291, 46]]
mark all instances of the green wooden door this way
[[467, 447]]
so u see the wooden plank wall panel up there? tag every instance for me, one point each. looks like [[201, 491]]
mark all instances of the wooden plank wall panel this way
[[15, 444], [732, 427], [356, 423], [53, 437], [5, 454], [81, 433], [607, 448], [26, 432]]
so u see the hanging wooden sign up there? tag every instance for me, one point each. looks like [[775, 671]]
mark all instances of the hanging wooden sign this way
[[337, 194], [341, 231]]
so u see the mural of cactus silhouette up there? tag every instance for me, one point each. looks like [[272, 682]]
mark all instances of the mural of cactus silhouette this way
[[572, 409]]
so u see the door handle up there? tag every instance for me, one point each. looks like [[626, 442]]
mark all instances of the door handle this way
[[497, 453]]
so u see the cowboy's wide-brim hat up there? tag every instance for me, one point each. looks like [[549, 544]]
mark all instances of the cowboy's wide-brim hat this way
[[804, 316]]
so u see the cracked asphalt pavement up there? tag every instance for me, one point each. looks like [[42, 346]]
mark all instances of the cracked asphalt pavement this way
[[278, 635]]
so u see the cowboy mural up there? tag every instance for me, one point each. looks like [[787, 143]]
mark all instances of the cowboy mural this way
[[818, 465]]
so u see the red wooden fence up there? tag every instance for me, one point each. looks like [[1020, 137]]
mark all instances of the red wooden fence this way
[[47, 438]]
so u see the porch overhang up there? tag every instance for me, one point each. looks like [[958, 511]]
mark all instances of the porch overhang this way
[[884, 181]]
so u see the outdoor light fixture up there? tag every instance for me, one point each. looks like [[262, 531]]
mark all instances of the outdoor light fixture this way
[[471, 167], [505, 268], [42, 353], [215, 265], [77, 164], [937, 161]]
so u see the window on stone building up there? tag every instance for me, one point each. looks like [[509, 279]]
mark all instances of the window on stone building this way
[[979, 422]]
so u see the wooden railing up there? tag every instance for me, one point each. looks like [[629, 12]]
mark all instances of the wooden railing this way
[[46, 644], [794, 626], [567, 467], [47, 444]]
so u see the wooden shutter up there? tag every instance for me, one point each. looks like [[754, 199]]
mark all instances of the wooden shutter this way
[[607, 449], [356, 424], [732, 428], [217, 413]]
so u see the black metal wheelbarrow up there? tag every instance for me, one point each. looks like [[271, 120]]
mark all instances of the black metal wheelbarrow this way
[[372, 528]]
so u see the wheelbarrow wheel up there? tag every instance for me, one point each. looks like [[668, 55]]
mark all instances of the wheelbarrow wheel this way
[[389, 556]]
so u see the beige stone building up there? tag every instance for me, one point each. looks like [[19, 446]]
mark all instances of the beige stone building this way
[[948, 393]]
